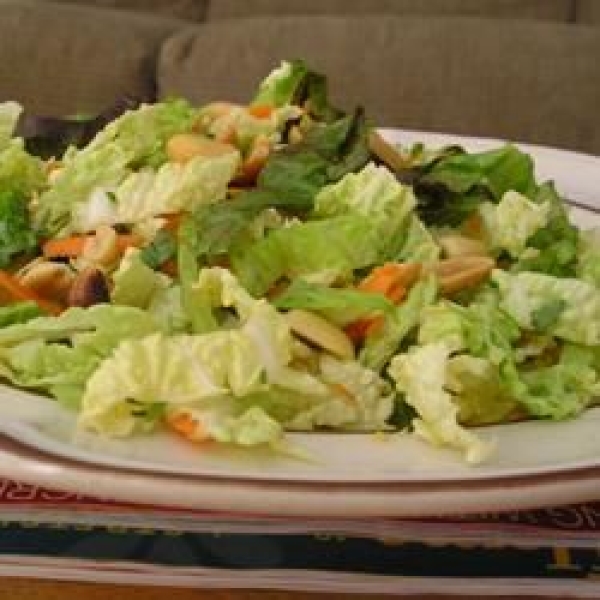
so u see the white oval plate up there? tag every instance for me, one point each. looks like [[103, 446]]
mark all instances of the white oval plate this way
[[528, 454]]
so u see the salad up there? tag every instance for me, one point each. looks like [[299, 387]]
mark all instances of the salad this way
[[232, 273]]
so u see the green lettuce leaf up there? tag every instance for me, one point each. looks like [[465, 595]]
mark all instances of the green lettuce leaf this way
[[454, 186], [294, 83], [17, 313], [327, 153], [335, 246], [551, 249], [417, 243], [338, 305], [281, 85], [498, 171], [16, 235]]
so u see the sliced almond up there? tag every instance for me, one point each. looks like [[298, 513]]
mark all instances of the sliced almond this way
[[183, 147], [102, 248], [456, 274], [455, 245], [385, 152], [320, 332]]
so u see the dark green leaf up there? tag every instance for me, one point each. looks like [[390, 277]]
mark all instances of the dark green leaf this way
[[548, 314], [21, 312], [403, 415], [16, 234], [557, 242], [341, 305], [162, 248]]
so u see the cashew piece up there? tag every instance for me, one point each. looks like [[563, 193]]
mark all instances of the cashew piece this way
[[102, 249], [455, 245], [316, 330], [183, 147], [48, 279]]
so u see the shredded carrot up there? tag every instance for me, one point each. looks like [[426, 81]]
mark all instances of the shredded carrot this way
[[65, 247], [261, 111], [12, 290], [72, 247], [390, 280], [188, 427]]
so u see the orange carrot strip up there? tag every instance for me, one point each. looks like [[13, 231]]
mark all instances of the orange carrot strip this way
[[13, 290], [72, 247], [387, 280], [188, 427], [65, 247], [261, 111]]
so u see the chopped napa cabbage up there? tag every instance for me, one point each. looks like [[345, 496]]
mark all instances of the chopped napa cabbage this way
[[279, 87], [513, 221], [246, 357], [9, 115], [359, 399], [175, 187], [246, 126], [20, 172], [135, 283], [375, 193], [223, 421], [481, 329], [525, 296], [559, 391], [135, 140], [421, 376], [588, 257], [478, 391], [58, 354]]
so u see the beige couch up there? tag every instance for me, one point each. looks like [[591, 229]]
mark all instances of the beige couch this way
[[522, 69]]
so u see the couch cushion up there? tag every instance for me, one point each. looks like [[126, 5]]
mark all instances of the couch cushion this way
[[59, 59], [588, 11], [533, 82], [191, 10], [558, 10]]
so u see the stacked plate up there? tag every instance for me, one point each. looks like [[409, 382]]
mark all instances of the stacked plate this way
[[343, 475]]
